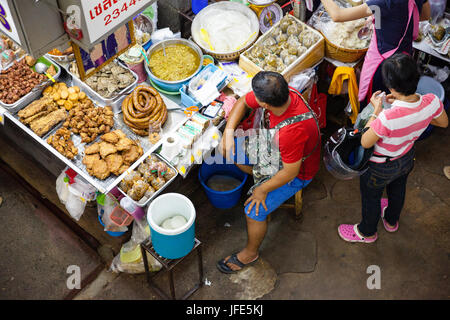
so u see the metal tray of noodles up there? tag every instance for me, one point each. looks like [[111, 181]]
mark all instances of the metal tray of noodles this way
[[146, 202], [173, 120]]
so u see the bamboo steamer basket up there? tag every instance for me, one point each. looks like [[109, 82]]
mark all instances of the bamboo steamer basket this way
[[225, 5], [310, 58], [341, 54]]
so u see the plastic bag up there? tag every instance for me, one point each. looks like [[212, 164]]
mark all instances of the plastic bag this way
[[303, 80], [129, 260], [75, 203], [62, 188]]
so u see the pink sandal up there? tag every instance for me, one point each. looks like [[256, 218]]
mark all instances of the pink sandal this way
[[350, 233], [384, 204]]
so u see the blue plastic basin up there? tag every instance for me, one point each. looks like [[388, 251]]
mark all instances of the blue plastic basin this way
[[429, 85], [221, 199]]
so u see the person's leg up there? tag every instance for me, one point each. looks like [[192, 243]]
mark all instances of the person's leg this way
[[396, 192], [256, 230], [371, 187], [257, 224]]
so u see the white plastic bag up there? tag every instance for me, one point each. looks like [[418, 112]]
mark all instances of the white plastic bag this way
[[129, 260], [75, 203], [303, 80], [62, 187]]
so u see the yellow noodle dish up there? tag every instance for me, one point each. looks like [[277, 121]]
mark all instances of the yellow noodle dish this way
[[179, 63]]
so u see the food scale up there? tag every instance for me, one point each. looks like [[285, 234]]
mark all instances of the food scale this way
[[268, 12]]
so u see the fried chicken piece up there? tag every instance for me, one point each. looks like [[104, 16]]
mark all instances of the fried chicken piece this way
[[124, 144], [100, 169], [119, 133], [106, 149], [43, 125], [114, 162], [110, 137], [121, 170], [88, 160], [93, 148], [131, 155]]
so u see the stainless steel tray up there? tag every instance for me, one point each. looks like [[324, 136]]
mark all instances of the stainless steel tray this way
[[174, 120], [160, 190], [116, 102], [33, 94]]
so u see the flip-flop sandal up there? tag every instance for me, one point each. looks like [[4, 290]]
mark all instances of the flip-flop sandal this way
[[447, 171], [222, 264]]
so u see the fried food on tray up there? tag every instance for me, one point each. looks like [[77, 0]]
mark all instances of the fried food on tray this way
[[110, 137], [114, 162], [142, 107], [45, 123], [62, 143], [89, 159], [93, 148], [111, 155], [131, 155], [86, 119], [35, 107], [99, 169], [124, 144], [106, 149]]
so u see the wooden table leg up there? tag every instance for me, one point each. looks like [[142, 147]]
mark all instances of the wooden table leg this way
[[298, 204]]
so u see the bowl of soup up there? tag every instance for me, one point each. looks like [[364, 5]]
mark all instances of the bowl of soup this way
[[172, 63]]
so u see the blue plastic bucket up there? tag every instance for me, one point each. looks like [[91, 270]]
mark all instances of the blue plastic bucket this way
[[176, 243], [429, 85], [221, 199]]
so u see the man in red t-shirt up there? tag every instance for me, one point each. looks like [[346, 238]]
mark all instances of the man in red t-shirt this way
[[299, 148]]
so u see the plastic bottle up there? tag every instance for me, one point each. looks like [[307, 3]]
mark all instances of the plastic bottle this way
[[198, 5], [437, 10]]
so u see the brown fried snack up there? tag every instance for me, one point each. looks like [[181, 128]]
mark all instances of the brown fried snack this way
[[93, 148], [106, 149], [110, 137], [114, 162], [88, 160], [99, 169], [124, 144], [132, 154]]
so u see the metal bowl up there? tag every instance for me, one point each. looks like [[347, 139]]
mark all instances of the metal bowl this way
[[225, 6], [173, 86]]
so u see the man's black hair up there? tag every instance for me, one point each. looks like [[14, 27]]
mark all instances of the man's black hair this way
[[400, 73], [271, 88]]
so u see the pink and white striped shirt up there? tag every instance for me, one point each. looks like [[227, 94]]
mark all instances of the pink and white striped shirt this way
[[401, 125]]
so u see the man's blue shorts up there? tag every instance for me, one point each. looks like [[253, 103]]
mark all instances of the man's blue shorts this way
[[274, 198]]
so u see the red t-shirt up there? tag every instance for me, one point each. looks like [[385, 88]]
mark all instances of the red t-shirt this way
[[296, 140]]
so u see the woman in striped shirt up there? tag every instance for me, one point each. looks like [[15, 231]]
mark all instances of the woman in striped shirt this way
[[392, 133]]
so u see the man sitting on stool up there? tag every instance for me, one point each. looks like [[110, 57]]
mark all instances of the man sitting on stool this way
[[284, 159]]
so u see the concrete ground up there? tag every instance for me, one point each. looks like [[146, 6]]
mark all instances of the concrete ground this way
[[304, 259], [307, 260]]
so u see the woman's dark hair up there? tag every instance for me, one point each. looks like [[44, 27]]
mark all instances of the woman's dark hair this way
[[400, 73], [271, 88]]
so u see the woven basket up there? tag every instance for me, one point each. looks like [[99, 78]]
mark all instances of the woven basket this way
[[227, 56], [342, 54]]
